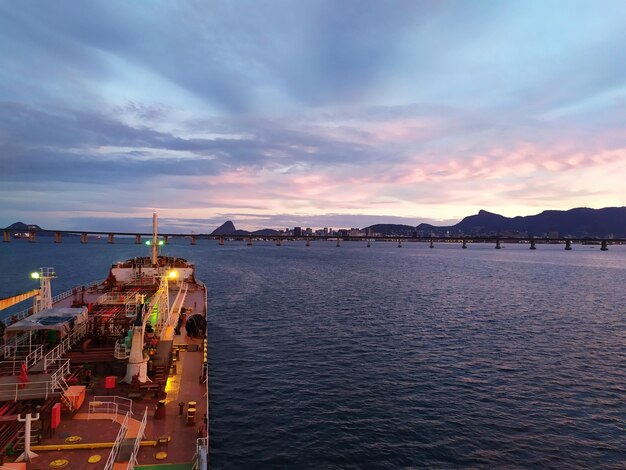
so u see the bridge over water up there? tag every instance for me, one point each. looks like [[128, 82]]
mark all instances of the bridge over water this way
[[465, 240]]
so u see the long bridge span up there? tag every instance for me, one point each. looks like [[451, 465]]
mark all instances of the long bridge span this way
[[464, 240]]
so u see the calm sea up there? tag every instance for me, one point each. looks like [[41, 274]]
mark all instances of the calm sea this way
[[389, 357]]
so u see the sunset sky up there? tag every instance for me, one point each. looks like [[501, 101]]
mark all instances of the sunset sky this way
[[309, 113]]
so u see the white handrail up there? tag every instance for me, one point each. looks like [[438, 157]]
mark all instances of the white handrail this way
[[202, 451], [118, 402], [132, 460], [57, 352]]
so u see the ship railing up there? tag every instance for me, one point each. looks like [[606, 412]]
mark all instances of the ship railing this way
[[142, 279], [29, 359], [19, 346], [34, 357], [132, 460], [58, 376], [116, 298], [111, 405], [29, 311], [23, 390], [118, 442], [65, 345], [202, 452], [18, 316], [121, 351]]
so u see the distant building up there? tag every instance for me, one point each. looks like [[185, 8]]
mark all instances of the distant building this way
[[297, 231]]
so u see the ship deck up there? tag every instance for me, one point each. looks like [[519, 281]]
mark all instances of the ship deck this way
[[168, 436]]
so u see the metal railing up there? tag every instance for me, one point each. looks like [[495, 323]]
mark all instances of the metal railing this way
[[57, 378], [16, 346], [116, 445], [121, 351], [132, 460], [17, 390], [111, 405], [32, 357], [116, 298], [65, 345], [202, 453], [29, 311]]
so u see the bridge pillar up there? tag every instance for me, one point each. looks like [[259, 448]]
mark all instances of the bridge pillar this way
[[604, 246], [432, 244], [532, 245], [137, 239], [32, 236], [6, 236], [369, 244], [193, 239], [249, 241], [498, 245], [464, 244], [166, 239], [111, 238], [568, 245], [279, 242], [57, 237], [338, 244], [399, 243], [308, 242], [221, 242], [83, 237]]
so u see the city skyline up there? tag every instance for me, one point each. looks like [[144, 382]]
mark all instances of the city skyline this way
[[311, 114]]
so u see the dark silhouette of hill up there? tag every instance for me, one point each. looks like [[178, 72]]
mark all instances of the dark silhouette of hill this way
[[228, 228], [579, 222], [265, 232], [23, 227]]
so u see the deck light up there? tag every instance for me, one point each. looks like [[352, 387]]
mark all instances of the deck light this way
[[161, 242], [173, 274], [148, 242], [34, 275]]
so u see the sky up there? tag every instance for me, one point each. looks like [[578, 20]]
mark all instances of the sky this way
[[319, 113]]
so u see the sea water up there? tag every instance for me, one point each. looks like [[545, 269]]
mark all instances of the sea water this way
[[387, 357]]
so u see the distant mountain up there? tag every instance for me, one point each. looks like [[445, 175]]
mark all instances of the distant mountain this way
[[265, 232], [227, 228], [23, 227], [391, 229], [579, 222]]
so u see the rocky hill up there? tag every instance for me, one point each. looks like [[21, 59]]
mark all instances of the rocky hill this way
[[579, 222]]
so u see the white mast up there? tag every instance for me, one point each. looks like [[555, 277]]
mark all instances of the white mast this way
[[44, 299], [155, 241]]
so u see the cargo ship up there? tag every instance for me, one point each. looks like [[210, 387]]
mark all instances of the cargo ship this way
[[111, 374]]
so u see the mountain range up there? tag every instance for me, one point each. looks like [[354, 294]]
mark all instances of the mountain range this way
[[578, 222]]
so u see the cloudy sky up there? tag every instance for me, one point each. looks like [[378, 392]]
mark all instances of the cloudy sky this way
[[313, 113]]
